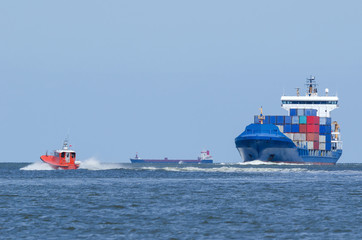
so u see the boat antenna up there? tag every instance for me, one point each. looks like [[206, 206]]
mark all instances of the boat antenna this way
[[65, 143]]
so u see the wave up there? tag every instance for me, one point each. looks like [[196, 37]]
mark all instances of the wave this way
[[37, 166], [222, 169]]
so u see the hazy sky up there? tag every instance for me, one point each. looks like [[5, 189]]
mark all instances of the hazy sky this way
[[168, 78]]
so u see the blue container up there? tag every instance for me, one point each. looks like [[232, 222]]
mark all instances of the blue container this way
[[267, 120], [310, 112], [300, 112], [293, 112], [288, 120], [295, 120], [273, 120], [322, 129], [328, 138], [295, 128], [325, 121], [280, 120], [329, 129], [302, 120], [287, 128], [325, 129], [328, 146]]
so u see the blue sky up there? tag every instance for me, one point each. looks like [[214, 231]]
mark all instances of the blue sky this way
[[168, 78]]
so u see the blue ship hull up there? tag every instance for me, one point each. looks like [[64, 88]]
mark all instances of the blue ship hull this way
[[266, 143]]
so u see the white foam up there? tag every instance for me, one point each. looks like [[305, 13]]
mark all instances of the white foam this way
[[259, 162], [94, 164], [40, 166], [224, 169]]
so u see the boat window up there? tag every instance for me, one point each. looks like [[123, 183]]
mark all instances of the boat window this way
[[63, 155], [73, 155]]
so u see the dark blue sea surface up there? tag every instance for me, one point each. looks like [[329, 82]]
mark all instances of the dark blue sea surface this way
[[215, 201]]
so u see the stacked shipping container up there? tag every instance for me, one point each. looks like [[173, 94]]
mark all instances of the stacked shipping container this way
[[325, 137], [304, 127]]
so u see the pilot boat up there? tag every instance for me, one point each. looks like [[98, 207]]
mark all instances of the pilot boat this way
[[61, 159]]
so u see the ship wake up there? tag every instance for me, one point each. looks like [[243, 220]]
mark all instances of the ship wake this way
[[89, 164], [94, 164], [224, 169], [37, 166]]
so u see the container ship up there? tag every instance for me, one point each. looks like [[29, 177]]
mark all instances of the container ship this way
[[306, 135], [205, 157]]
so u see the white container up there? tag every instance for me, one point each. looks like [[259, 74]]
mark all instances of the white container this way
[[289, 135], [322, 146], [322, 138], [310, 145], [296, 137], [322, 121], [300, 137]]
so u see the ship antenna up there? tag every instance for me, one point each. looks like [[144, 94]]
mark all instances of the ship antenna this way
[[261, 117], [311, 86], [298, 93]]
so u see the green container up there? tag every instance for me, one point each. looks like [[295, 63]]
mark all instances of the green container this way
[[302, 119]]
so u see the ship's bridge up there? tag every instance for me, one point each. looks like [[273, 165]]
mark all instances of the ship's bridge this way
[[323, 104]]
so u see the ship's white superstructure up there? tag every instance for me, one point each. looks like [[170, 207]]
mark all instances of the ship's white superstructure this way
[[323, 104], [205, 155]]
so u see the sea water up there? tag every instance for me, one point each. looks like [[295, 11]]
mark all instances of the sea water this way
[[211, 201]]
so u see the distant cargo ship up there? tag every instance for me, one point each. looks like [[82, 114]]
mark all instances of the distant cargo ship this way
[[304, 136], [205, 157]]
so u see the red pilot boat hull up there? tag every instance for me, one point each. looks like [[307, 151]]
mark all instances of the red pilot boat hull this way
[[61, 159], [57, 163]]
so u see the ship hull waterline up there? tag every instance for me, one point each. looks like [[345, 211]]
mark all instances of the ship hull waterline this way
[[54, 163], [268, 144]]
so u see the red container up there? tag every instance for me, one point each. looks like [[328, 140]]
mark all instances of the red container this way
[[316, 145], [316, 128], [302, 128], [314, 120], [312, 137], [312, 128]]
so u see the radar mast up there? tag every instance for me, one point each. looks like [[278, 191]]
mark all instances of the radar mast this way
[[311, 86]]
